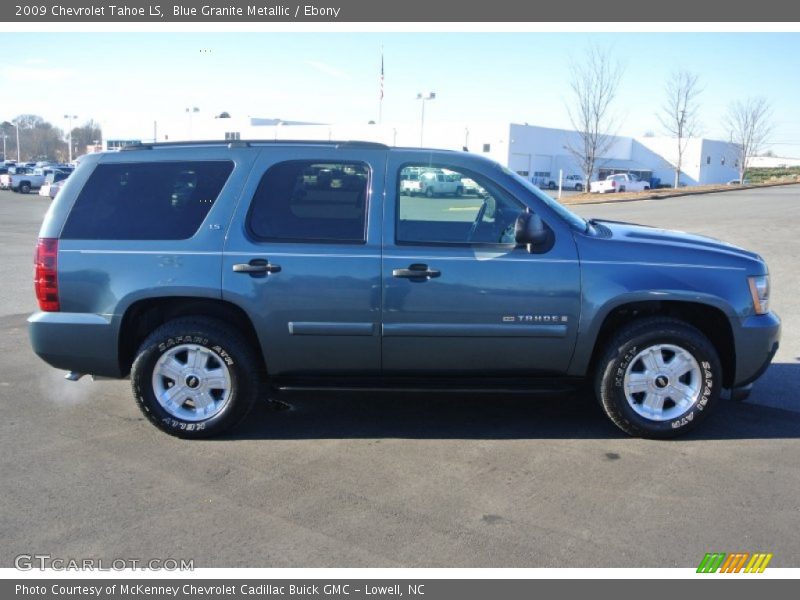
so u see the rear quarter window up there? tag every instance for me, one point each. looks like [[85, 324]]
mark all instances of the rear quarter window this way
[[146, 201]]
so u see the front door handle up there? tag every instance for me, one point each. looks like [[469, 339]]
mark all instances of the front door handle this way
[[417, 271], [256, 266]]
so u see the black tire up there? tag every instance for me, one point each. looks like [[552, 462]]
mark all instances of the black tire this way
[[624, 348], [459, 192], [578, 187], [551, 185], [24, 187], [227, 347], [621, 189], [429, 192]]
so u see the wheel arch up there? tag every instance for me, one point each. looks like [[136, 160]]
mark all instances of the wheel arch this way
[[144, 316], [709, 319]]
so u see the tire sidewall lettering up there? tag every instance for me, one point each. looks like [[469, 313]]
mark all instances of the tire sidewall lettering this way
[[622, 366], [182, 339]]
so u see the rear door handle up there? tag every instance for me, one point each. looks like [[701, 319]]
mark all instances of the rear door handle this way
[[256, 266], [417, 271]]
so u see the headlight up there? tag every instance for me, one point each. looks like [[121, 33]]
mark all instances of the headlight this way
[[759, 290]]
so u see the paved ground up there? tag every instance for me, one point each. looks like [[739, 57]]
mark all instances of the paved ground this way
[[394, 480]]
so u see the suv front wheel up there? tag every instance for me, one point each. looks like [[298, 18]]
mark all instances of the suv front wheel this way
[[194, 377], [658, 378]]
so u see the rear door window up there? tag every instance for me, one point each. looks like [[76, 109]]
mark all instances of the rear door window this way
[[311, 201], [146, 201]]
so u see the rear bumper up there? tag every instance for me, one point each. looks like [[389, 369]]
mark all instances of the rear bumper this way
[[757, 341], [85, 343]]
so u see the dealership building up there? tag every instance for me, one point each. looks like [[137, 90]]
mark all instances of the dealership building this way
[[532, 151]]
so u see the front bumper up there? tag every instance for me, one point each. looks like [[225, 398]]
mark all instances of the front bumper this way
[[86, 343], [757, 340]]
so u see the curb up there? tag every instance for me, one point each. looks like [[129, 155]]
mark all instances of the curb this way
[[682, 194]]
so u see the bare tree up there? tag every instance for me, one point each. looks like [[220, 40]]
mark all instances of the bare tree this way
[[9, 139], [39, 139], [679, 113], [750, 124], [594, 85], [86, 135]]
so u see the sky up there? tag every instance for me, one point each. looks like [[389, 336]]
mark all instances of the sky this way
[[127, 80]]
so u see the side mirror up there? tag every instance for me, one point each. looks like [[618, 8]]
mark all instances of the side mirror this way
[[531, 231]]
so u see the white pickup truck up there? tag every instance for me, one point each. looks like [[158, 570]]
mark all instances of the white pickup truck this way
[[25, 179], [11, 179], [621, 182], [432, 183]]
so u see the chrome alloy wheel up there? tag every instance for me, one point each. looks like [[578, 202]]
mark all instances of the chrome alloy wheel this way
[[191, 382], [662, 382]]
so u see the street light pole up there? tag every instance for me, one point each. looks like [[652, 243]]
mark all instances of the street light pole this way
[[16, 124], [69, 150], [423, 97]]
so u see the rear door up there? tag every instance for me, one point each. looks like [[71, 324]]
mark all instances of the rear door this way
[[302, 258], [460, 297]]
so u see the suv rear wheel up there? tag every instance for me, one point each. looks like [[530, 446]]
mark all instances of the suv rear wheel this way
[[194, 378], [658, 378]]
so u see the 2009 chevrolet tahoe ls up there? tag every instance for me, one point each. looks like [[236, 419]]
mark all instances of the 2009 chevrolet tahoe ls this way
[[209, 270]]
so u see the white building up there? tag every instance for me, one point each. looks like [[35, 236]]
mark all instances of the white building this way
[[532, 151], [772, 162]]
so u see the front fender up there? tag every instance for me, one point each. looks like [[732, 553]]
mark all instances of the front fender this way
[[594, 316]]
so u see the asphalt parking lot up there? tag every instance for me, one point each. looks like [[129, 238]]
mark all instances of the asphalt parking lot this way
[[397, 480]]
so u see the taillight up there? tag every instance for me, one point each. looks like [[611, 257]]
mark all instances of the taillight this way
[[46, 274], [613, 183]]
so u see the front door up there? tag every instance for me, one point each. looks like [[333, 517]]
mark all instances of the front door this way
[[459, 296]]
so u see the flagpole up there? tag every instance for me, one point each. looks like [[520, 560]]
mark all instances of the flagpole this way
[[380, 96]]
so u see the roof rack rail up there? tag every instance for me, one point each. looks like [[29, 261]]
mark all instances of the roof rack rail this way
[[251, 143]]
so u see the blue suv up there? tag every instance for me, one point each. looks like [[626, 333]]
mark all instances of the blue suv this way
[[210, 272]]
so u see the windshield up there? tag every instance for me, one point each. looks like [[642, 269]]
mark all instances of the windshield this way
[[570, 217]]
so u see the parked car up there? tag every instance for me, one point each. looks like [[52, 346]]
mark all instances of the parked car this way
[[543, 181], [53, 183], [472, 188], [29, 179], [621, 182], [212, 273], [6, 179], [738, 182], [432, 183], [572, 182]]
